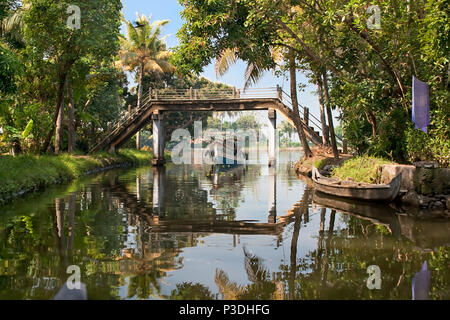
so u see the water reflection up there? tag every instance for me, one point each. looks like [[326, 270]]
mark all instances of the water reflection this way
[[189, 232]]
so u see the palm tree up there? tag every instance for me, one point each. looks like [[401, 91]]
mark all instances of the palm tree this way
[[144, 51]]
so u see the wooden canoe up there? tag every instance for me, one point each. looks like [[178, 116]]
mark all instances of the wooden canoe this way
[[357, 190]]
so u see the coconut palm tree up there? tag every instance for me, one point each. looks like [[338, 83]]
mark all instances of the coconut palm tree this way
[[144, 51]]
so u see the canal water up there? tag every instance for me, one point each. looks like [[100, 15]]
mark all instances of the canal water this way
[[190, 232]]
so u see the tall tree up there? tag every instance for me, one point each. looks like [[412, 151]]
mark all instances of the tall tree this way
[[323, 121], [71, 118], [297, 121], [330, 117], [144, 51], [52, 36]]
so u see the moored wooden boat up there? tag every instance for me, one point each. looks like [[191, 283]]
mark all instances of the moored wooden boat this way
[[357, 190]]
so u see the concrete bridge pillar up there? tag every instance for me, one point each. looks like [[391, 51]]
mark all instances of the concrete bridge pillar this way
[[158, 139], [272, 137], [272, 199]]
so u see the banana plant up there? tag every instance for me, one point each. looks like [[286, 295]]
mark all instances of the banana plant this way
[[11, 136]]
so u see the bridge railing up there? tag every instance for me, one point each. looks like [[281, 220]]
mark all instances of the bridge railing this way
[[307, 116], [211, 94], [123, 118]]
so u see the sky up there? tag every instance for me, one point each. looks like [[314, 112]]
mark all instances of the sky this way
[[170, 9]]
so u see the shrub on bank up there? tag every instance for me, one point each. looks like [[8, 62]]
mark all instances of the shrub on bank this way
[[361, 169], [27, 173]]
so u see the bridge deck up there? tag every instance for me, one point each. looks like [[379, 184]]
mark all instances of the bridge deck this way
[[216, 104]]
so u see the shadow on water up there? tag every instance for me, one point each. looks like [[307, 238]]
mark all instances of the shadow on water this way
[[188, 232]]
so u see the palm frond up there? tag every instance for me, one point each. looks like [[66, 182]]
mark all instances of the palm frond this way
[[253, 73], [163, 55], [151, 66], [255, 268], [229, 290], [166, 66], [224, 61]]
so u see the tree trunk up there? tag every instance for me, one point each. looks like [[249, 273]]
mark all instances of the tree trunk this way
[[59, 101], [71, 115], [330, 117], [373, 122], [141, 75], [59, 128], [323, 120], [297, 122]]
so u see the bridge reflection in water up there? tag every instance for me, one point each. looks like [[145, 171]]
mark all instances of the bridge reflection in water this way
[[191, 232], [214, 223]]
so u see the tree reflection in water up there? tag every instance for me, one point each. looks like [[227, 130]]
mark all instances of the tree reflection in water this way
[[128, 249], [262, 286]]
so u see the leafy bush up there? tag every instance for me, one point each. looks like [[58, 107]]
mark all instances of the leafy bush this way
[[433, 145], [362, 169]]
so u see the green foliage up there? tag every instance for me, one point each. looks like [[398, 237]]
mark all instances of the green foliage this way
[[48, 34], [435, 144], [191, 291], [369, 70], [248, 122], [28, 128], [319, 164], [361, 169], [11, 135], [50, 52], [9, 69], [27, 173]]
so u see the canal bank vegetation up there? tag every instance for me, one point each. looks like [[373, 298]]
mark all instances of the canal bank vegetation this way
[[28, 173], [361, 169]]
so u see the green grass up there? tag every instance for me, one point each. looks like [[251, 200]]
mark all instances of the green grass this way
[[361, 169], [27, 173], [319, 164]]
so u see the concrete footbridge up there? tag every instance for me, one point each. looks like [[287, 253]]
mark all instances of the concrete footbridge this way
[[156, 103]]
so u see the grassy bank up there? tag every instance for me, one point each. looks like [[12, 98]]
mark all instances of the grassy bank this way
[[323, 156], [361, 169], [27, 173]]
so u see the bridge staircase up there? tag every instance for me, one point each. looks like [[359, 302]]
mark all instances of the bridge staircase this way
[[188, 100]]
